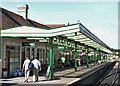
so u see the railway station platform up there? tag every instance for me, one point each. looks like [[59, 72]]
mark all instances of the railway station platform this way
[[63, 78]]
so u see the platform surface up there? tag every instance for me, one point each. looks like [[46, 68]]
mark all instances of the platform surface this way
[[63, 77]]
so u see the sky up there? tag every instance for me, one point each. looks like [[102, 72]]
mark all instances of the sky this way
[[101, 18]]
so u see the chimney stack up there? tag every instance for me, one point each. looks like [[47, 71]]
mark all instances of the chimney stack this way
[[23, 10], [67, 23]]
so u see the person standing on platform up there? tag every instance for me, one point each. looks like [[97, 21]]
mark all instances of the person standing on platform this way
[[36, 67], [79, 61], [63, 61], [26, 68]]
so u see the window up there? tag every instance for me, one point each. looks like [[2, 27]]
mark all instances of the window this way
[[14, 53], [28, 52], [40, 54], [32, 57]]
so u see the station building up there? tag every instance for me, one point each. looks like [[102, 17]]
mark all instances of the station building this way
[[15, 49]]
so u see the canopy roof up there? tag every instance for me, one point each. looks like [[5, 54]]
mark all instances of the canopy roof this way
[[76, 32]]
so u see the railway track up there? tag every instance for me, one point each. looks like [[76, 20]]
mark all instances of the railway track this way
[[112, 78]]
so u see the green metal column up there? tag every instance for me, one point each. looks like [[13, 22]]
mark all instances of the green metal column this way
[[51, 75], [66, 57], [72, 56], [109, 56], [94, 57], [102, 57], [106, 57], [99, 57], [69, 56], [87, 60], [75, 60], [50, 56]]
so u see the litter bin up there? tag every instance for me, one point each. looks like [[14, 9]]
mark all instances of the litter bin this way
[[4, 72]]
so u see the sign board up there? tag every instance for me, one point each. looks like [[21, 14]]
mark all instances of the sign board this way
[[28, 44], [97, 48], [43, 40], [62, 47], [79, 50], [91, 53]]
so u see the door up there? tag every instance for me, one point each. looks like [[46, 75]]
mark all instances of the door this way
[[23, 58], [7, 61]]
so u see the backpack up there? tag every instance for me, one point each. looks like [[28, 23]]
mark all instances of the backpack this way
[[31, 65]]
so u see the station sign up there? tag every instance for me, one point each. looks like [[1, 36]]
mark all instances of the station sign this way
[[97, 48], [61, 47], [79, 50], [28, 44], [92, 53], [43, 40]]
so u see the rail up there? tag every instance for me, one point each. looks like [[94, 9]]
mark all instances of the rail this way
[[106, 75], [115, 76]]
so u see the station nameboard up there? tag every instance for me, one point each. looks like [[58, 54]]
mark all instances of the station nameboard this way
[[28, 44]]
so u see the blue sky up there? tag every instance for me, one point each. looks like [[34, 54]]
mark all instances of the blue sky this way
[[101, 18]]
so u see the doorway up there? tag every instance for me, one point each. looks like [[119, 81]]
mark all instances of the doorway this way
[[12, 58], [7, 61]]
